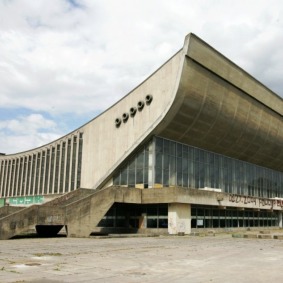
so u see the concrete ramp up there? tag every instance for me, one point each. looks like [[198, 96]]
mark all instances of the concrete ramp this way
[[83, 215], [79, 211], [48, 218], [69, 197], [18, 222], [6, 210]]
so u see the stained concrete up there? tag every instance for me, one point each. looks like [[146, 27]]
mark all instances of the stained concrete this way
[[220, 258]]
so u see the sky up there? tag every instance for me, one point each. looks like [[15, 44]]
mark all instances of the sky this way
[[63, 62]]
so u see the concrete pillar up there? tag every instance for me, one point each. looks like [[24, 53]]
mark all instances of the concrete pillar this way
[[280, 219], [143, 221], [179, 218]]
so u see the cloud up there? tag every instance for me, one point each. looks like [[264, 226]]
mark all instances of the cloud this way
[[75, 58], [27, 132]]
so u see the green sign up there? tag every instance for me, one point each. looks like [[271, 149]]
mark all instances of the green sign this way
[[26, 200]]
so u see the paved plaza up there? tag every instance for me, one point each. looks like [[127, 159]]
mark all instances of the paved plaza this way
[[219, 258]]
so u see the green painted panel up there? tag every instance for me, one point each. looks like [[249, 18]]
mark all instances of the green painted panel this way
[[38, 199], [2, 202], [26, 200]]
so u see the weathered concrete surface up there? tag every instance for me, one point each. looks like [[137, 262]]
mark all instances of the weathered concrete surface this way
[[159, 259], [81, 212], [6, 210], [70, 197], [18, 220], [179, 218], [83, 215], [195, 196]]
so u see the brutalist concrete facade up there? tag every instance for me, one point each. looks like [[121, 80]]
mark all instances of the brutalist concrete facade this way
[[197, 98]]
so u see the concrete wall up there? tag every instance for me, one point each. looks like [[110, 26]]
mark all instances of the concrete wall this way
[[106, 146], [203, 197]]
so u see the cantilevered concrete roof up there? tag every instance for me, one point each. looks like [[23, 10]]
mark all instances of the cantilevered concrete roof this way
[[221, 108]]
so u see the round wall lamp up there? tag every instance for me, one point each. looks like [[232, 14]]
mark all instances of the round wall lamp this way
[[118, 122], [148, 99], [140, 105], [133, 111], [125, 117]]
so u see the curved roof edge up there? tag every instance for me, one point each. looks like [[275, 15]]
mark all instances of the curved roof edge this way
[[96, 117], [211, 59]]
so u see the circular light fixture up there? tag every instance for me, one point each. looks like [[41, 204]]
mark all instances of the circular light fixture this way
[[140, 105], [125, 117], [148, 99], [118, 122], [133, 111]]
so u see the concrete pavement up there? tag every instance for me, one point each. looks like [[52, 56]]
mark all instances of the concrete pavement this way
[[219, 258]]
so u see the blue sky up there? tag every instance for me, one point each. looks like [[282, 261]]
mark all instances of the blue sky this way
[[64, 63]]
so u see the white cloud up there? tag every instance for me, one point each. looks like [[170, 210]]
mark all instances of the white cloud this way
[[29, 124], [27, 132], [66, 58]]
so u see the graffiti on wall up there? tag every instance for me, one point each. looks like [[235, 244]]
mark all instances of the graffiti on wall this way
[[253, 200]]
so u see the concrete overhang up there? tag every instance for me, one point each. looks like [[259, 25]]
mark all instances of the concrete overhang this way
[[221, 108], [193, 196]]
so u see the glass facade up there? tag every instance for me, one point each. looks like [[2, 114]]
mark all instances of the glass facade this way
[[122, 215], [181, 165], [138, 170], [214, 217], [165, 163]]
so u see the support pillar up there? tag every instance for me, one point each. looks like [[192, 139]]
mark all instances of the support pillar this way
[[280, 219], [143, 221], [179, 218]]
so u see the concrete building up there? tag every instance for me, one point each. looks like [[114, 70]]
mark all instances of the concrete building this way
[[198, 144]]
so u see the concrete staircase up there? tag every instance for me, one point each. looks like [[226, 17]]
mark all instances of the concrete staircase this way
[[48, 218], [83, 215], [79, 211]]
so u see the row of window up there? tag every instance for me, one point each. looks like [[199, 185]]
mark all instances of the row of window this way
[[186, 166], [176, 164], [52, 170], [138, 169], [156, 216], [122, 215], [213, 217]]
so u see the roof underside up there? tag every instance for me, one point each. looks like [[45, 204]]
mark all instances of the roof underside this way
[[214, 113]]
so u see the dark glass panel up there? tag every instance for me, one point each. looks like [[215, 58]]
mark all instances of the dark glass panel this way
[[179, 150], [139, 177], [158, 160], [172, 148], [140, 160], [159, 145]]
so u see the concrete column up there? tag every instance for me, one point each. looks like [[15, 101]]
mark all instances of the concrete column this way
[[143, 221], [179, 218], [280, 219]]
